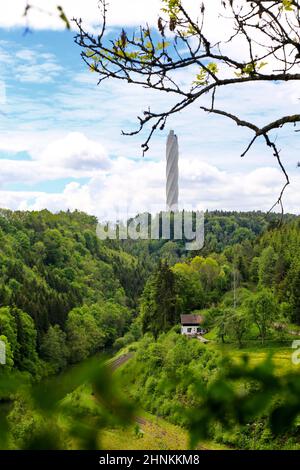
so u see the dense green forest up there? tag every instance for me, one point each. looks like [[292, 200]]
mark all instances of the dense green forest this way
[[249, 296], [65, 295], [253, 283]]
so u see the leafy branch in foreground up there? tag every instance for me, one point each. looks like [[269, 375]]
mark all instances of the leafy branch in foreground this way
[[243, 393], [266, 31], [63, 412], [59, 12]]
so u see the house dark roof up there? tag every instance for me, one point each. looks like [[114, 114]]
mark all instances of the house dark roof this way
[[191, 319]]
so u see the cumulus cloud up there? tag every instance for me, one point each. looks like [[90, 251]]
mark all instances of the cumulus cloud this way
[[136, 186], [122, 186], [75, 151], [72, 156]]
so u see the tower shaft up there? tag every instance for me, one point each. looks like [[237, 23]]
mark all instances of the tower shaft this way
[[172, 172]]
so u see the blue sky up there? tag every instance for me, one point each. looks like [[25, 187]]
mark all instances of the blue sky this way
[[61, 145]]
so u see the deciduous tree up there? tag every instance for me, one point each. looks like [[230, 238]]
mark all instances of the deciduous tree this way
[[263, 311]]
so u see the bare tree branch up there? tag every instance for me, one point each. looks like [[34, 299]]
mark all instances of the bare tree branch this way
[[269, 31]]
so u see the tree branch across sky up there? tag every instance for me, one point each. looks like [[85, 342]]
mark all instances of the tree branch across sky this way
[[266, 34]]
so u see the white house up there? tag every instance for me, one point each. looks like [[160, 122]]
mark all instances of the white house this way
[[191, 325], [2, 352]]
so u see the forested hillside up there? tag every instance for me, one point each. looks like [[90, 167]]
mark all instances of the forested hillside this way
[[241, 388], [225, 285], [65, 294], [61, 289], [222, 229]]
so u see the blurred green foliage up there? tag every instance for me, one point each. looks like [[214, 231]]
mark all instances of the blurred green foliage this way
[[50, 415], [244, 397]]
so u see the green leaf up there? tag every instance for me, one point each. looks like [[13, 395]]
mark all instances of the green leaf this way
[[283, 417], [287, 5], [63, 17]]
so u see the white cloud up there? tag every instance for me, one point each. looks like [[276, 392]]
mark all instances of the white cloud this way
[[32, 66], [72, 156], [45, 16], [75, 151], [140, 185], [28, 65], [27, 55], [38, 72]]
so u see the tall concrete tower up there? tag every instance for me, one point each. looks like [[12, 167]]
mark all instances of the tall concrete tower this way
[[172, 172]]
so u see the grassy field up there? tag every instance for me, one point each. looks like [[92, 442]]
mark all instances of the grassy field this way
[[151, 433], [281, 356], [280, 350]]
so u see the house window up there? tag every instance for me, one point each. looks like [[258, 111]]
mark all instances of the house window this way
[[189, 330]]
